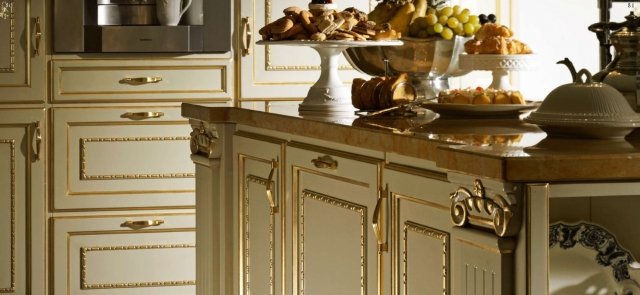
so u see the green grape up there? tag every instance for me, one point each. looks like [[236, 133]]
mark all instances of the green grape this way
[[477, 27], [469, 29], [432, 19], [452, 22], [463, 18], [474, 19], [466, 10], [446, 33], [443, 19], [438, 28], [459, 29], [431, 10], [456, 9], [448, 11]]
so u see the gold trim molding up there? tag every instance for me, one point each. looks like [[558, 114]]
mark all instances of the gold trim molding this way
[[83, 265], [431, 233], [203, 140], [246, 238], [501, 213], [7, 13], [83, 160], [12, 156], [362, 210]]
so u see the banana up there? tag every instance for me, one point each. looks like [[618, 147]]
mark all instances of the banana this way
[[421, 9], [382, 12], [401, 20]]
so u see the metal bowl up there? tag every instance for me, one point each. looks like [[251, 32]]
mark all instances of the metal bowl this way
[[429, 62]]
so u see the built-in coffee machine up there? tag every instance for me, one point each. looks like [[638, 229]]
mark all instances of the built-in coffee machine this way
[[142, 26]]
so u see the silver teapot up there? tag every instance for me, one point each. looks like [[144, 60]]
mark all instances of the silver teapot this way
[[623, 72]]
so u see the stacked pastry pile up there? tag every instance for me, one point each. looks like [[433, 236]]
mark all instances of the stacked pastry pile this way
[[320, 25], [480, 96], [381, 93], [493, 38]]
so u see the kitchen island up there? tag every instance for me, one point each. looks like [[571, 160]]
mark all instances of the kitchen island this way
[[395, 205]]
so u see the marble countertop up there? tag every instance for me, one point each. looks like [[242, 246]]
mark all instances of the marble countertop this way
[[508, 149]]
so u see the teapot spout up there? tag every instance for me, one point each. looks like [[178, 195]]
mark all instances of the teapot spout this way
[[572, 69]]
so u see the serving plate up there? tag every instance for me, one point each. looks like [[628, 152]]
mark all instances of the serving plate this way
[[479, 110], [585, 258]]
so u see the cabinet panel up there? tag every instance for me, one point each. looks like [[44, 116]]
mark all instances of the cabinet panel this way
[[334, 197], [103, 154], [103, 255], [22, 226], [262, 212], [22, 52], [268, 70], [142, 80]]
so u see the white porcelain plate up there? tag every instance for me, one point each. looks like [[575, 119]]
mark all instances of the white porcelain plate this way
[[332, 43], [585, 258], [479, 110]]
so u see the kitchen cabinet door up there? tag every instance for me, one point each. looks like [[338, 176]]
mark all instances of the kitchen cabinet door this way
[[421, 238], [22, 201], [262, 210], [334, 196], [275, 72], [22, 51]]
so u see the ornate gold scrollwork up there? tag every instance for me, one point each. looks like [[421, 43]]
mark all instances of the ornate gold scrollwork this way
[[464, 202], [203, 140], [6, 8]]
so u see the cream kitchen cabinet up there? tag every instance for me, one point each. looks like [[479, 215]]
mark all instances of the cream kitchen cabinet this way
[[335, 208], [124, 254], [259, 160], [125, 158], [22, 201], [264, 72], [23, 71]]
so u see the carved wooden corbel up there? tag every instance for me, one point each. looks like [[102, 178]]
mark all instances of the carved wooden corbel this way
[[203, 140], [489, 212]]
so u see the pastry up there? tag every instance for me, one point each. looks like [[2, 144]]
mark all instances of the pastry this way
[[493, 38], [480, 95]]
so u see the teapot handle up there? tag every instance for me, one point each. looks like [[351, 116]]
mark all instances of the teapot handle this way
[[587, 74]]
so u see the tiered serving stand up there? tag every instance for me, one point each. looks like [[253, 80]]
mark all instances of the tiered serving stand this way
[[499, 65], [329, 97]]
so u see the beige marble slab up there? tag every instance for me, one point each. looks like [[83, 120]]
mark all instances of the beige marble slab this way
[[497, 148]]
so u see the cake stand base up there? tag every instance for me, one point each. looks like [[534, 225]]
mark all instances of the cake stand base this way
[[330, 100]]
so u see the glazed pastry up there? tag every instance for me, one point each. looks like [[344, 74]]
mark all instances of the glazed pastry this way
[[493, 38], [480, 95]]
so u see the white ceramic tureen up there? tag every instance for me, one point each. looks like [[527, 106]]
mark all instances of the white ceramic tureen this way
[[585, 109]]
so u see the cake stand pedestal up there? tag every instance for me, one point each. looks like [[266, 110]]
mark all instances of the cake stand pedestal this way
[[499, 65], [329, 97]]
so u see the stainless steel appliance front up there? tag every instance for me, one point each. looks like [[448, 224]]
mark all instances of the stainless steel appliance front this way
[[132, 26]]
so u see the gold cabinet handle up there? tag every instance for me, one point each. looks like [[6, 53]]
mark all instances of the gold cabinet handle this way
[[247, 36], [138, 224], [270, 195], [37, 141], [140, 80], [38, 34], [142, 115], [325, 162], [379, 221]]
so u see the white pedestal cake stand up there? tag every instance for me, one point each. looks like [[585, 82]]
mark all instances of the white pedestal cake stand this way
[[499, 65], [329, 97]]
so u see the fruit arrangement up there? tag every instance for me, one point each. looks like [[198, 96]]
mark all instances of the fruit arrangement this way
[[417, 19]]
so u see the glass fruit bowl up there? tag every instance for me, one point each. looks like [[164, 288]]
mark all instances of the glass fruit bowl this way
[[429, 62]]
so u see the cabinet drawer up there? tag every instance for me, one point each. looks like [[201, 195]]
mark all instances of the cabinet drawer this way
[[102, 160], [141, 80], [101, 255]]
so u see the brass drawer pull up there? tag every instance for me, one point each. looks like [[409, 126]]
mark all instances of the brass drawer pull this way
[[379, 220], [142, 115], [37, 141], [38, 34], [140, 80], [141, 223], [325, 162], [247, 36], [270, 196]]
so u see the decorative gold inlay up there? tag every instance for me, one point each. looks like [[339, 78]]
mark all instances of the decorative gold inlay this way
[[247, 241], [83, 265], [7, 13], [83, 160], [361, 210], [431, 233], [463, 202], [12, 157]]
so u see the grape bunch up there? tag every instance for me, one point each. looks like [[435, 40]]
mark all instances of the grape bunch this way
[[445, 22], [491, 18]]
